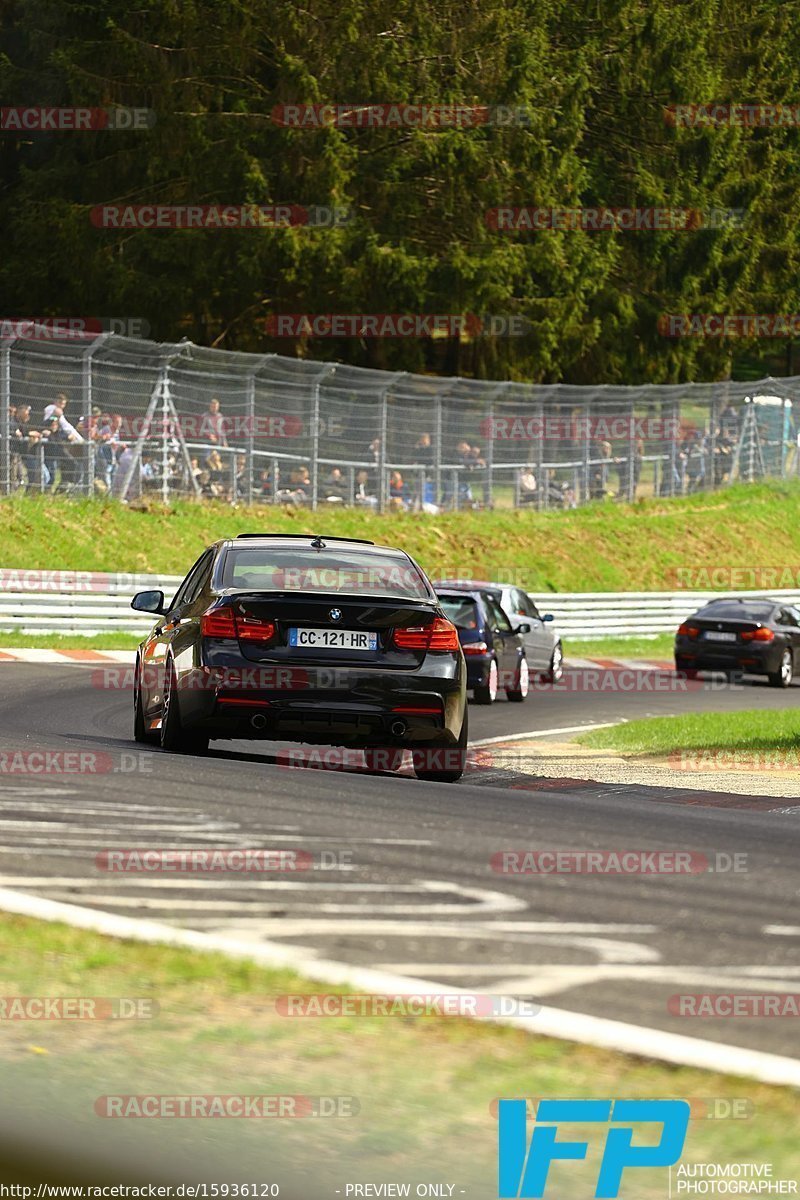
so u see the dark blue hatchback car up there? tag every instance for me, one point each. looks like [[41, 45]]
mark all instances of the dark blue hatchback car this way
[[494, 651]]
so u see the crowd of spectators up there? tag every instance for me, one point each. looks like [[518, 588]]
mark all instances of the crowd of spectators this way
[[55, 451]]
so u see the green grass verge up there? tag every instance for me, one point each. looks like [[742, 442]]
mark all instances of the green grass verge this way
[[756, 730], [601, 547], [69, 641], [659, 647], [425, 1085]]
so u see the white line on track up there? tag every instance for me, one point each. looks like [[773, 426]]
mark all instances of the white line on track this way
[[548, 1022], [540, 733], [782, 930]]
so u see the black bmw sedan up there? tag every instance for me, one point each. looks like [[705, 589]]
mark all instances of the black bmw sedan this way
[[741, 636], [330, 641]]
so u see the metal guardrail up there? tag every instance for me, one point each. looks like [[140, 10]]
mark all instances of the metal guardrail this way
[[94, 602]]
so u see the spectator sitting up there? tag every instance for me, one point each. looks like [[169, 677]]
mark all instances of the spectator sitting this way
[[215, 466], [527, 485], [397, 491], [364, 491], [423, 450], [335, 487], [298, 490]]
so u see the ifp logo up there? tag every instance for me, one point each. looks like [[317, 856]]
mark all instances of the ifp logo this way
[[523, 1171]]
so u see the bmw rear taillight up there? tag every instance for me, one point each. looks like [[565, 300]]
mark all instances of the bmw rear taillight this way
[[475, 648], [439, 635], [218, 623], [225, 623], [690, 631], [252, 629], [757, 635]]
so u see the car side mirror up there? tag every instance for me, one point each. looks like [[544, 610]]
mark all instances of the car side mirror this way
[[524, 627], [149, 602], [548, 617]]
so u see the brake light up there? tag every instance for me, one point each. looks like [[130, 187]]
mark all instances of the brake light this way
[[224, 623], [218, 623], [688, 631], [475, 648], [251, 629], [757, 635], [439, 635]]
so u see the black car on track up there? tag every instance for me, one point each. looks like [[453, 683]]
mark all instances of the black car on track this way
[[753, 636], [330, 641]]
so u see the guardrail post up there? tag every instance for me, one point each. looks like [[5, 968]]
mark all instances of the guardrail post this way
[[5, 431]]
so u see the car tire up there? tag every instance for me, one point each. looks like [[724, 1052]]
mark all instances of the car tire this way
[[522, 683], [783, 676], [456, 756], [173, 735], [683, 669], [141, 733], [383, 758], [487, 693], [555, 672]]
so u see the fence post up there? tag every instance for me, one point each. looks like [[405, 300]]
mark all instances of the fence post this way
[[251, 423], [5, 430], [315, 446], [383, 483], [437, 456], [87, 411], [488, 488]]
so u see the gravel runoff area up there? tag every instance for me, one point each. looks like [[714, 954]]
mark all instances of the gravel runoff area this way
[[566, 760]]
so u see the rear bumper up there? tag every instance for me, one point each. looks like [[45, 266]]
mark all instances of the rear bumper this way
[[351, 707], [755, 658]]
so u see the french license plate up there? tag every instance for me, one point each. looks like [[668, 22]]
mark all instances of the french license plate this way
[[333, 639], [713, 636]]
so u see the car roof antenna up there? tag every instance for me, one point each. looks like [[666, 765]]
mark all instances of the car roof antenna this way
[[318, 543]]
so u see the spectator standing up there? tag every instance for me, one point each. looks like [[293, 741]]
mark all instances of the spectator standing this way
[[212, 426]]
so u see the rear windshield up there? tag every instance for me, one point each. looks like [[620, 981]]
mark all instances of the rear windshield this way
[[462, 612], [350, 572], [733, 610]]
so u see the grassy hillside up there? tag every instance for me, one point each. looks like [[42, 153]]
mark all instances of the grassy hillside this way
[[606, 546]]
